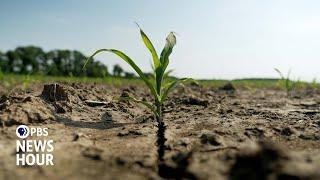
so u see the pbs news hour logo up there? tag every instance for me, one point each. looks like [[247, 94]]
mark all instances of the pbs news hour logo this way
[[33, 151]]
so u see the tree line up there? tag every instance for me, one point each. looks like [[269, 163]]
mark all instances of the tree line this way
[[33, 60]]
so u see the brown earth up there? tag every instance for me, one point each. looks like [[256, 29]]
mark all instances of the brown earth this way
[[212, 133]]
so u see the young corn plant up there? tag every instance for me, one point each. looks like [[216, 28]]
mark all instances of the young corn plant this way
[[158, 85], [286, 82]]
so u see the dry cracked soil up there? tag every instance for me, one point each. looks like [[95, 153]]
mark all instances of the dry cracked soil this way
[[211, 133]]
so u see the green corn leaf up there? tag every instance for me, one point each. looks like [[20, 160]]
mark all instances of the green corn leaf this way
[[145, 103], [159, 78], [164, 60], [279, 72], [151, 48], [167, 50], [289, 73], [132, 64], [167, 73], [172, 85]]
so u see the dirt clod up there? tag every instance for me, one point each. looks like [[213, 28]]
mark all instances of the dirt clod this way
[[130, 133], [254, 132], [287, 131], [4, 102], [3, 99], [26, 113], [195, 101], [92, 153], [180, 169], [62, 107], [54, 92], [95, 103], [310, 136], [266, 160], [211, 139]]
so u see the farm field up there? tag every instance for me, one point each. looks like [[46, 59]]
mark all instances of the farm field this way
[[214, 130], [157, 90]]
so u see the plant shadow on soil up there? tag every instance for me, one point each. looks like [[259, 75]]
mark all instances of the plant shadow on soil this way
[[105, 123]]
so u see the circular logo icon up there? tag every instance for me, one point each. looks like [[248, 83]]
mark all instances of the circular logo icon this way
[[22, 131]]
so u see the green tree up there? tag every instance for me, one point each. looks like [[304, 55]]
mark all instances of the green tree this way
[[14, 62], [96, 69], [129, 75], [78, 63], [4, 62], [32, 59], [117, 70], [59, 62]]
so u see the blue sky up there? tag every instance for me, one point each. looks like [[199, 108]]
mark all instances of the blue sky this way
[[216, 39]]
